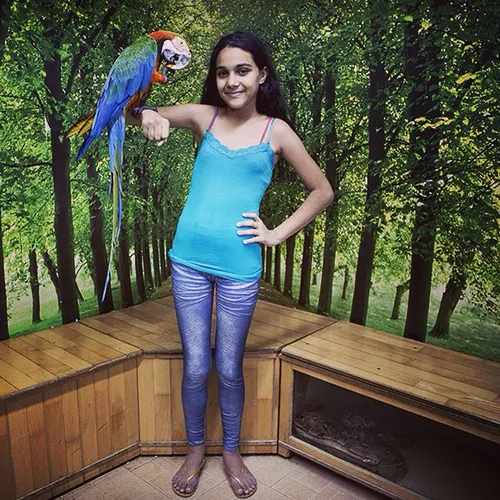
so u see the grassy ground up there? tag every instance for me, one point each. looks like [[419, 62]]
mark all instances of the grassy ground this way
[[468, 332]]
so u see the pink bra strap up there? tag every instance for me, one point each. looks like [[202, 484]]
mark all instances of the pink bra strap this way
[[213, 118], [265, 130]]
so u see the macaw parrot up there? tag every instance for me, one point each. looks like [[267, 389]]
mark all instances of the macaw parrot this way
[[127, 87]]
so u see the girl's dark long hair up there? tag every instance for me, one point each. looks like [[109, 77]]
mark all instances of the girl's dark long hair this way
[[270, 101]]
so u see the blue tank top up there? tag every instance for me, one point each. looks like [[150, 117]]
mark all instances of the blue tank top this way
[[225, 183]]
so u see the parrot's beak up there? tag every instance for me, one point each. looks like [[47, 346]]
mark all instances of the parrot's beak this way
[[175, 55]]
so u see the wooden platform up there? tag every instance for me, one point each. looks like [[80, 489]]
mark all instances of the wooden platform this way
[[80, 399]]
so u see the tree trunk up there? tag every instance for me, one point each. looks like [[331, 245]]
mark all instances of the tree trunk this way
[[51, 269], [63, 220], [163, 254], [269, 263], [307, 251], [277, 267], [377, 154], [332, 211], [451, 296], [4, 318], [423, 67], [4, 24], [400, 291], [305, 272], [124, 269], [154, 238], [97, 244], [139, 273], [146, 254], [346, 282], [290, 248]]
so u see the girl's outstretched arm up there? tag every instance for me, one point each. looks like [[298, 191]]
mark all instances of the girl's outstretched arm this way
[[286, 142], [156, 125]]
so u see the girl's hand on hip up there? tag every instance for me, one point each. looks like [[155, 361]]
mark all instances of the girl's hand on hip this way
[[154, 126], [258, 230]]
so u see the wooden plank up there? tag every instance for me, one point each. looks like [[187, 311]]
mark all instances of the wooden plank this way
[[132, 340], [178, 427], [59, 338], [88, 421], [55, 431], [117, 408], [145, 375], [55, 352], [375, 360], [422, 361], [131, 400], [15, 377], [102, 412], [103, 339], [286, 402], [136, 322], [6, 388], [408, 385], [24, 365], [37, 439], [162, 399], [290, 323], [295, 313], [88, 343], [143, 314], [487, 409], [6, 473], [98, 324], [370, 333], [20, 447], [71, 423]]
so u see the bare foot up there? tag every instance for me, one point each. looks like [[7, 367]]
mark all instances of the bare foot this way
[[194, 459], [234, 464]]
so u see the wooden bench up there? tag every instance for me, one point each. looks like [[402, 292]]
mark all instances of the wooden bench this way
[[446, 404], [83, 398]]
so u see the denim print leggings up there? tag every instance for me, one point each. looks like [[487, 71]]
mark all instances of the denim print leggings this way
[[235, 302]]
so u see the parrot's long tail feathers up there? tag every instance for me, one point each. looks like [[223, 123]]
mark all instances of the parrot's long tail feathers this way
[[82, 125], [116, 138]]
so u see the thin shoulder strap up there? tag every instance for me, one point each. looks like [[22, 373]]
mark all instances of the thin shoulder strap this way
[[216, 112], [269, 125]]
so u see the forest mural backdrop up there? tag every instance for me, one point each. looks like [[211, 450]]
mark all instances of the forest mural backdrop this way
[[397, 101]]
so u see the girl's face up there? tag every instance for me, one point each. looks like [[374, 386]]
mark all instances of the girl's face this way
[[238, 77]]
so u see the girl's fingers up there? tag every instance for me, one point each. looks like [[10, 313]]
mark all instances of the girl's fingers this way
[[247, 231], [252, 240]]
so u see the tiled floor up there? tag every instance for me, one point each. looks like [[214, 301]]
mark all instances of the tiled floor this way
[[149, 478]]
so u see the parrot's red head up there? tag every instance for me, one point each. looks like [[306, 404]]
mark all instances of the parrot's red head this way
[[172, 49]]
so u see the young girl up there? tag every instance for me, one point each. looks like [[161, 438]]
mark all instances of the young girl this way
[[242, 130]]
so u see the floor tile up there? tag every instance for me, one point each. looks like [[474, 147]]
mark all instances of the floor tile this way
[[294, 489]]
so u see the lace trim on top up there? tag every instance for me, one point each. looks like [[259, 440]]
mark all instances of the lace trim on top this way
[[232, 153]]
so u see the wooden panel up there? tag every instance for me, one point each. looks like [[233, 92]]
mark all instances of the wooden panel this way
[[88, 420], [6, 475], [38, 445], [178, 428], [117, 407], [131, 401], [352, 472], [162, 399], [286, 401], [71, 423], [146, 399], [102, 412], [20, 447], [55, 431], [262, 305]]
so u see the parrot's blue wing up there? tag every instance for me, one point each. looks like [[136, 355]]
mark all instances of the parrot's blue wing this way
[[130, 73]]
